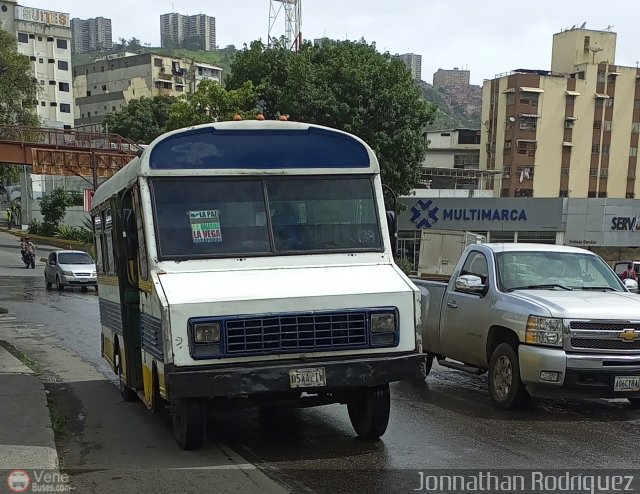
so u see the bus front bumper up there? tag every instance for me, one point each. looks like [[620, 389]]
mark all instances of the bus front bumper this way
[[275, 377]]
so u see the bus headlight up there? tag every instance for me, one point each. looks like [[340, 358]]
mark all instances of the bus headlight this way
[[383, 323], [206, 333], [544, 331]]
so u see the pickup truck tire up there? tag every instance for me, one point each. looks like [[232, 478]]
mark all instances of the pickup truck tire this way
[[428, 364], [505, 387], [369, 410], [635, 402]]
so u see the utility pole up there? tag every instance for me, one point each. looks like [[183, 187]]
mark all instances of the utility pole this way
[[94, 170]]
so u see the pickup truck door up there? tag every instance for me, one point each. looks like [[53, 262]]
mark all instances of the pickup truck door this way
[[465, 315]]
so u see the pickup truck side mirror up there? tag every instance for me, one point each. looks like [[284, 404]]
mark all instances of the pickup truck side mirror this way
[[631, 284], [470, 283]]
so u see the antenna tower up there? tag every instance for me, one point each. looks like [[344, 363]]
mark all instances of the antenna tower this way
[[291, 11]]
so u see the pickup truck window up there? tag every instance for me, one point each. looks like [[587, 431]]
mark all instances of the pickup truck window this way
[[519, 270], [476, 264]]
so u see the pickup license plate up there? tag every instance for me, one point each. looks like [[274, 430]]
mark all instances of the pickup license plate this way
[[307, 378], [626, 383]]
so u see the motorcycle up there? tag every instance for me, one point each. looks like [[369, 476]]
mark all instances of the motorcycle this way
[[29, 259]]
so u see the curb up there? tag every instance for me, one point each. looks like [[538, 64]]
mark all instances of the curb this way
[[27, 438], [52, 241]]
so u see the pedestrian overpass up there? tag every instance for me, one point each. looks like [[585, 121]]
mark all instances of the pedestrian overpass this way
[[94, 155]]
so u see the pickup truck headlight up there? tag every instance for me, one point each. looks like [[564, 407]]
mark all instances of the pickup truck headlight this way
[[544, 331], [383, 323]]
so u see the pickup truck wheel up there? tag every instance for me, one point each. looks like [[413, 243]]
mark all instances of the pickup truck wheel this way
[[369, 411], [428, 364], [635, 402], [505, 387], [189, 417]]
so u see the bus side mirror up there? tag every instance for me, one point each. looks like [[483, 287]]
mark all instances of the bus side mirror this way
[[131, 233], [393, 232]]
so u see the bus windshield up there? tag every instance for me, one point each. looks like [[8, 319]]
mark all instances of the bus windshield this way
[[214, 217]]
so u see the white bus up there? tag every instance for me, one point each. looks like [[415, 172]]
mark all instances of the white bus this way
[[251, 262]]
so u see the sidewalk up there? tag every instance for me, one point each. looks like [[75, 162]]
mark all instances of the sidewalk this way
[[26, 435]]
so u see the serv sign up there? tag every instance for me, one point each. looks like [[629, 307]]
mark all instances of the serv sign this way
[[625, 223], [42, 16]]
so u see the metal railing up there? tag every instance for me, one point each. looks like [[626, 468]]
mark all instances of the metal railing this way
[[69, 139]]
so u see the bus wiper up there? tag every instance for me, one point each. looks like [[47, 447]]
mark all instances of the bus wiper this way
[[540, 287], [605, 288]]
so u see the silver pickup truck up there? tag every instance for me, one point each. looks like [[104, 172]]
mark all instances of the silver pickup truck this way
[[543, 320]]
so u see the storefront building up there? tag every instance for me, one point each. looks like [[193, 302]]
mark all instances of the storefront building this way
[[610, 227]]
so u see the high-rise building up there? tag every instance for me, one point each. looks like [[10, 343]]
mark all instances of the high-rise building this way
[[91, 34], [45, 37], [109, 84], [414, 64], [195, 31], [572, 131], [450, 78]]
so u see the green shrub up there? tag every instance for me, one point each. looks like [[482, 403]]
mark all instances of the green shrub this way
[[67, 232], [35, 227], [406, 265], [53, 207], [47, 230]]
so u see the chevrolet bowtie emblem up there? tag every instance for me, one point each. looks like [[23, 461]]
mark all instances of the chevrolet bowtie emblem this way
[[629, 335]]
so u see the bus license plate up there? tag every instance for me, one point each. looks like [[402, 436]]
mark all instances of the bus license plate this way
[[626, 383], [307, 378]]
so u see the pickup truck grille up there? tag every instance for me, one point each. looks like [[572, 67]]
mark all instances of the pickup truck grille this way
[[304, 332], [606, 326], [608, 344], [614, 336]]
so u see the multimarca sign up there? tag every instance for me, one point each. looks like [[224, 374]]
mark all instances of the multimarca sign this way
[[481, 214]]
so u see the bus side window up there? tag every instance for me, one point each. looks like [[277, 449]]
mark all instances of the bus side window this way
[[142, 246], [109, 263], [97, 228]]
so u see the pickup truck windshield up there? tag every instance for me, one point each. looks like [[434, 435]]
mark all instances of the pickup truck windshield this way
[[213, 217], [554, 270]]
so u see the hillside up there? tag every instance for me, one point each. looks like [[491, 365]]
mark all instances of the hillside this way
[[458, 107]]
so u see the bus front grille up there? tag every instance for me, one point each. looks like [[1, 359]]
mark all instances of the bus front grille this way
[[296, 332]]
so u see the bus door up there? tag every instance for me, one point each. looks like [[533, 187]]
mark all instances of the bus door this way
[[126, 264]]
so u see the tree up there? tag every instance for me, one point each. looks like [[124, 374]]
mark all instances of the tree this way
[[134, 44], [18, 87], [267, 70], [53, 208], [212, 103], [349, 86], [18, 95], [142, 120]]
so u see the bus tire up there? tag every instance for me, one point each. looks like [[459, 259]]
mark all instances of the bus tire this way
[[189, 419], [126, 392], [369, 411]]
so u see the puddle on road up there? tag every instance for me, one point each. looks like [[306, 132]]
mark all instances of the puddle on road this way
[[30, 289], [20, 289]]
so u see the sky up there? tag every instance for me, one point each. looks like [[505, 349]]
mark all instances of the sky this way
[[487, 37]]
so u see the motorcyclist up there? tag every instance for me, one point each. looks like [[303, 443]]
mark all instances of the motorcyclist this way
[[30, 250]]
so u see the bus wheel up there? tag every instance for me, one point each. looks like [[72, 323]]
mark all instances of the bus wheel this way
[[189, 417], [369, 411], [126, 392]]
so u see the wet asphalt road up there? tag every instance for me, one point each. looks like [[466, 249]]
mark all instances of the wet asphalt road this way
[[446, 422]]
